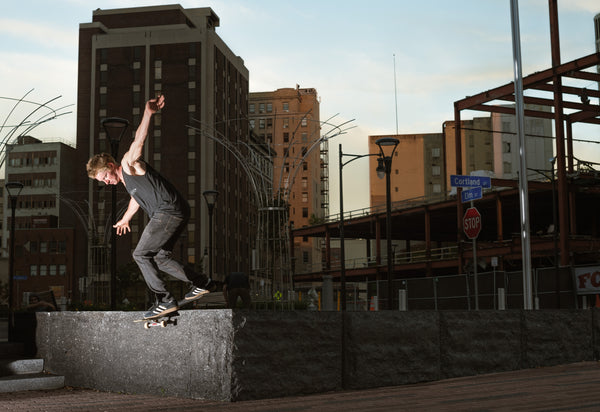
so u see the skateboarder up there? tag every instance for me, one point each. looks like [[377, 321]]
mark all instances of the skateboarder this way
[[168, 211]]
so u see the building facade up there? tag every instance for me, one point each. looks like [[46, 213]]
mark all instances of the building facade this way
[[127, 56], [49, 234], [423, 163], [289, 120]]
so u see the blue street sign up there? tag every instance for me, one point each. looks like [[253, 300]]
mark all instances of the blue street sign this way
[[471, 194], [470, 181], [20, 277]]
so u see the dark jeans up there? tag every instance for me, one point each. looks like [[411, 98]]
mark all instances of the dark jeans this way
[[232, 297], [154, 252]]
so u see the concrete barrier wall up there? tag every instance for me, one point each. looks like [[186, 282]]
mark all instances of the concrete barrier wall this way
[[240, 355]]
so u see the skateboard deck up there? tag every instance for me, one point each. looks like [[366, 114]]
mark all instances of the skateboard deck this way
[[168, 318]]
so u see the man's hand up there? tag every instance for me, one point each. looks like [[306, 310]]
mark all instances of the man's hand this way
[[154, 105], [122, 227]]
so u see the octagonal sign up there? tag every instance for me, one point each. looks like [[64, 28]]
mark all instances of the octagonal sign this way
[[472, 223]]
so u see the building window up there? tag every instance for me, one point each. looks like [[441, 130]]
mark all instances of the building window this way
[[33, 270], [286, 107], [53, 270], [304, 212], [435, 170], [62, 270], [43, 270], [251, 108], [437, 188], [261, 123], [286, 137], [261, 107], [435, 152], [269, 107], [304, 122], [305, 257], [304, 197], [286, 122]]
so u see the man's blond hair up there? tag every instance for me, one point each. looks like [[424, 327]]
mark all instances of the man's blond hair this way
[[99, 162]]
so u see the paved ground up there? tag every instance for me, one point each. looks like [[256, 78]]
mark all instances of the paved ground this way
[[571, 387]]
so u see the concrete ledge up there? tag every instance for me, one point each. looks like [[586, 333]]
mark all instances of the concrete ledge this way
[[239, 355]]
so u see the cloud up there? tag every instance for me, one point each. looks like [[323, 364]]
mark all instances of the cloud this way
[[44, 36]]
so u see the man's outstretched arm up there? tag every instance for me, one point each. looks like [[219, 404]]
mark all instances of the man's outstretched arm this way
[[135, 150]]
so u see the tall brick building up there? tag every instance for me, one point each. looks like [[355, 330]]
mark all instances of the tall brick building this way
[[289, 119], [127, 56]]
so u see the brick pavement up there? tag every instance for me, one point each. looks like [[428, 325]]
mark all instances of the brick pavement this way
[[570, 387]]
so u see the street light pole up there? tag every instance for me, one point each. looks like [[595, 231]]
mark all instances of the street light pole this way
[[13, 189], [112, 125], [210, 196], [342, 245], [387, 147], [555, 233]]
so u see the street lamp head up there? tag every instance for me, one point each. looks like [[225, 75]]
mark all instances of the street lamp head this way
[[387, 145], [13, 189], [114, 123], [115, 129], [210, 196]]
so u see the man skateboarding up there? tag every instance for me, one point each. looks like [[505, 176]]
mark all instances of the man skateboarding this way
[[168, 211]]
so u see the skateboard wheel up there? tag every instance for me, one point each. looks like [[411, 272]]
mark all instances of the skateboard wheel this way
[[147, 325], [163, 324]]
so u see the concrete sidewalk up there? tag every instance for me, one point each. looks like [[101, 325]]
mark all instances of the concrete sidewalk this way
[[572, 387]]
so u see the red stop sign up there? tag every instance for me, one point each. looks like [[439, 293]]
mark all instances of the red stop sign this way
[[472, 223]]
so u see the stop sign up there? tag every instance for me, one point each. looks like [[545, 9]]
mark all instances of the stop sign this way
[[472, 223]]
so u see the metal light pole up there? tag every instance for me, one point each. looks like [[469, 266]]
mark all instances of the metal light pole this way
[[387, 147], [13, 189], [210, 196], [342, 245], [115, 128], [555, 233]]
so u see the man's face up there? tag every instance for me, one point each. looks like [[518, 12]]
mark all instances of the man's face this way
[[108, 176]]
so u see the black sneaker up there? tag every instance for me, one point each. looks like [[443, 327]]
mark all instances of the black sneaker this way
[[197, 292], [160, 309]]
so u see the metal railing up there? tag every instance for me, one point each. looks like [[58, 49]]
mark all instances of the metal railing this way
[[413, 256]]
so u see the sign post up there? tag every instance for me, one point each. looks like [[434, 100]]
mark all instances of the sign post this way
[[472, 227], [472, 190]]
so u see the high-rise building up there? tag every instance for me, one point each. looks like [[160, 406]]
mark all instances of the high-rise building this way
[[127, 56], [49, 235], [289, 120]]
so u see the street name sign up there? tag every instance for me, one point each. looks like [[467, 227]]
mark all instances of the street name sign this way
[[470, 181], [468, 195]]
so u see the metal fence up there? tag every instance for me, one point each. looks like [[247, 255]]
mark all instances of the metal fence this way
[[552, 289]]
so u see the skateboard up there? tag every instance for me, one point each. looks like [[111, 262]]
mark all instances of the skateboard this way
[[167, 319]]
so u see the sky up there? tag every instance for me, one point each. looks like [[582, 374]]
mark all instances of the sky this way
[[383, 65]]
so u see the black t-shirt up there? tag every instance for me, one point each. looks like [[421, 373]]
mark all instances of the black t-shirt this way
[[155, 194]]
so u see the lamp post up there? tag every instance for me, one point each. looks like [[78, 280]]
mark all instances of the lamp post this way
[[387, 147], [342, 247], [210, 196], [555, 232], [13, 189], [115, 128]]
